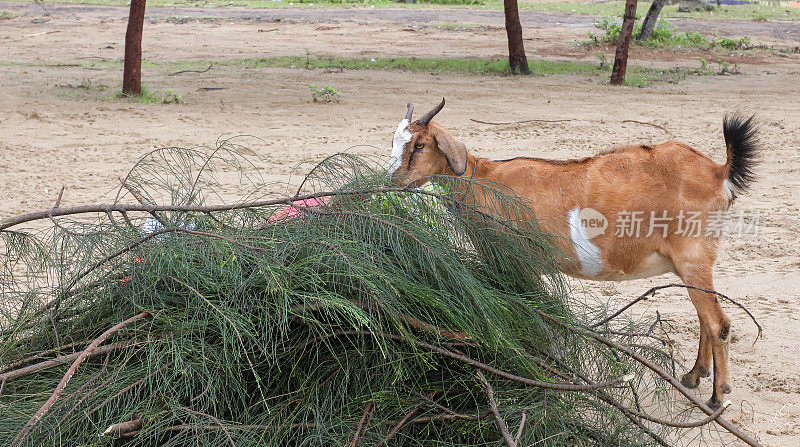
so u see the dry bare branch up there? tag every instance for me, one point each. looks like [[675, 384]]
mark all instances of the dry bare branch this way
[[70, 372], [493, 405]]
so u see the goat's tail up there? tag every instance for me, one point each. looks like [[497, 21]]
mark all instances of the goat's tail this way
[[741, 139]]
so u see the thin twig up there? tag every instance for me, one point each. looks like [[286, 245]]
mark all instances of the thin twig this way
[[111, 378], [224, 430], [653, 290], [131, 386], [58, 199], [520, 122], [649, 124], [28, 360], [55, 223], [124, 428], [203, 393], [70, 372], [126, 218], [134, 192], [192, 71], [493, 405], [206, 163], [232, 427], [699, 423], [521, 427], [450, 417], [670, 423], [60, 360], [400, 424], [440, 406], [363, 423], [605, 397], [55, 332], [139, 198], [663, 341], [655, 323], [506, 375], [119, 207], [80, 390], [513, 377], [641, 297], [661, 372]]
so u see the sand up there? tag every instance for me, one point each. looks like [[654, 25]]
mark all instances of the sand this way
[[58, 128]]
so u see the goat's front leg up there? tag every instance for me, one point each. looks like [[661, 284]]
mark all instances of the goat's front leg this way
[[715, 329]]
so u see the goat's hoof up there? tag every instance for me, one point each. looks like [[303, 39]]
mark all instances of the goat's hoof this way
[[703, 372], [714, 403], [726, 388], [690, 380]]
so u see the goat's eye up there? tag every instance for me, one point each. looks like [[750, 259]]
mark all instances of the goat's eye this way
[[419, 146]]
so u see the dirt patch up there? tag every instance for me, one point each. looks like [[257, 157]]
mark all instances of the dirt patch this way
[[56, 130]]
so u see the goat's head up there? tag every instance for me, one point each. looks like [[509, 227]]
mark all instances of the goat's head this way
[[423, 148]]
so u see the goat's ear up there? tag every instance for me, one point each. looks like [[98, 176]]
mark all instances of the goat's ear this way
[[454, 151]]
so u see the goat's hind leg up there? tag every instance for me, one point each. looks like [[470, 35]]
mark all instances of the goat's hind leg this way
[[702, 365], [715, 329]]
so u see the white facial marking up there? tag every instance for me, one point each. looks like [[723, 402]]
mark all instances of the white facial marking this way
[[588, 253], [730, 191], [401, 137]]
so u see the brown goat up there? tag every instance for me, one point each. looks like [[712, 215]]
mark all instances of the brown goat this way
[[672, 183]]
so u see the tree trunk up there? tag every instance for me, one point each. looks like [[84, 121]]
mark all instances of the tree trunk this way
[[516, 49], [132, 72], [621, 58], [651, 19]]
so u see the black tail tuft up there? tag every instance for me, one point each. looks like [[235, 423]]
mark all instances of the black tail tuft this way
[[741, 140]]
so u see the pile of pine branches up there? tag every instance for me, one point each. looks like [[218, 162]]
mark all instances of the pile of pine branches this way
[[378, 316]]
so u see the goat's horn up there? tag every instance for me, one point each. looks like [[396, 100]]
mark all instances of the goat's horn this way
[[410, 111], [428, 116]]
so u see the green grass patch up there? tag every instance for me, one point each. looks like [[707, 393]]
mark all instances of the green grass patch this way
[[145, 96], [472, 66], [664, 36], [150, 97], [638, 76], [468, 66], [88, 90], [465, 27]]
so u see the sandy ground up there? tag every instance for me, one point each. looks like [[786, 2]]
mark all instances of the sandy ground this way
[[57, 128]]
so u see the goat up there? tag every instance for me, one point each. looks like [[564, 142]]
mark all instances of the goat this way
[[668, 181]]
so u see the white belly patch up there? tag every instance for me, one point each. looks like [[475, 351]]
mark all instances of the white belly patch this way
[[588, 253], [653, 265]]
